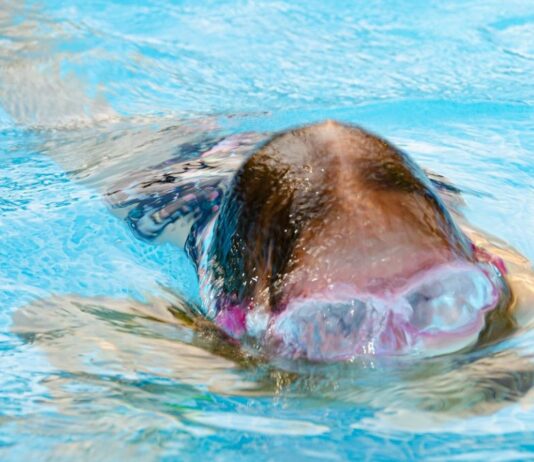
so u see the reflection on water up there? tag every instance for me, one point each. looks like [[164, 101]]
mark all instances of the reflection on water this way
[[120, 367], [95, 365]]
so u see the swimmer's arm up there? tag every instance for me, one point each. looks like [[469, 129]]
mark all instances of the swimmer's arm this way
[[163, 202]]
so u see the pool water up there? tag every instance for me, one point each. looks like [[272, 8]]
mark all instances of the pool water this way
[[86, 375]]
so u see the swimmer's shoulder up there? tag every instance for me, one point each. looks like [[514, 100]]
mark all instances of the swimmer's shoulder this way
[[519, 270]]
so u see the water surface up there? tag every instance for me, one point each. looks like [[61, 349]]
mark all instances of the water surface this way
[[87, 87]]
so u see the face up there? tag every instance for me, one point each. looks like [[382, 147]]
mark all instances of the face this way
[[332, 244]]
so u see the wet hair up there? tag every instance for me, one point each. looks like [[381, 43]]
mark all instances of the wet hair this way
[[291, 182], [267, 206]]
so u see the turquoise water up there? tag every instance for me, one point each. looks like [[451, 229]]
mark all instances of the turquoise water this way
[[88, 85]]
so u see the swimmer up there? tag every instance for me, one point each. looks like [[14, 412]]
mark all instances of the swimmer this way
[[325, 243]]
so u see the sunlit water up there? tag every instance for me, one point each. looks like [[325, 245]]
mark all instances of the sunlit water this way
[[86, 375]]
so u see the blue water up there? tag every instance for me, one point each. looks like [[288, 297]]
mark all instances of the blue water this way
[[83, 377]]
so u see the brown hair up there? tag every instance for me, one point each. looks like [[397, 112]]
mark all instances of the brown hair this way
[[295, 180]]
